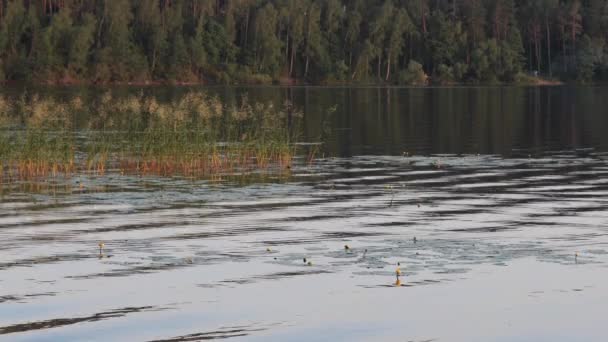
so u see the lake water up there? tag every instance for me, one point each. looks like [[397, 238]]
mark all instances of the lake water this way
[[493, 201]]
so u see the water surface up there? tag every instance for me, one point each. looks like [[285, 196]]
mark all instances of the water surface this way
[[482, 195]]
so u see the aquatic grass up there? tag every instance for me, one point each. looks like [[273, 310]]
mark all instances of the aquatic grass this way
[[35, 153], [196, 136]]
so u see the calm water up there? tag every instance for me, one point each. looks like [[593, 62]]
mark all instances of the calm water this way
[[497, 191]]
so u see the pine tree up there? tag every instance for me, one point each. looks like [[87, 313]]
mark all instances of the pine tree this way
[[312, 40]]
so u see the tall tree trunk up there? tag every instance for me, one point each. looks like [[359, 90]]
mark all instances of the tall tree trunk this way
[[99, 30], [306, 67], [246, 28], [255, 50], [291, 62], [537, 49], [564, 48], [423, 15], [379, 67], [286, 44], [388, 67], [573, 33], [548, 45], [529, 55], [153, 62]]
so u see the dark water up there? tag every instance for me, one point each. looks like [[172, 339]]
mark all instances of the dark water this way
[[497, 216], [510, 121]]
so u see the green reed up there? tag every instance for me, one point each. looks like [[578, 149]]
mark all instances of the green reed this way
[[195, 135]]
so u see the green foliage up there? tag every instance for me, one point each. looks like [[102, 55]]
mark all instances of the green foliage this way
[[179, 61], [511, 62], [340, 70], [305, 40], [83, 37], [590, 57], [413, 75], [57, 39], [444, 41], [485, 62], [445, 74], [267, 46], [151, 34]]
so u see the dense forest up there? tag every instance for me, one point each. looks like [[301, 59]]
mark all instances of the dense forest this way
[[303, 41]]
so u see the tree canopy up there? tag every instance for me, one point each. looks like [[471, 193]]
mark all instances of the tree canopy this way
[[307, 41]]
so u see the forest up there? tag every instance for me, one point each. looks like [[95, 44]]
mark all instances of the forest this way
[[397, 42]]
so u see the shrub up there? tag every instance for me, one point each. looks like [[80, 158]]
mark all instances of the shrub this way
[[413, 75]]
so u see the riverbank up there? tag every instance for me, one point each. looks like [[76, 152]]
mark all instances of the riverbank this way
[[527, 81]]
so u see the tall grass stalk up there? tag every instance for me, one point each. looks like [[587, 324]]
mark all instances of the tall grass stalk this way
[[196, 135]]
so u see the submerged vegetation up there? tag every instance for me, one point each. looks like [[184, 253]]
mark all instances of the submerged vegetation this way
[[195, 135]]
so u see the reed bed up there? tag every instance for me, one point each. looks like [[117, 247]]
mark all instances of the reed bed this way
[[195, 135]]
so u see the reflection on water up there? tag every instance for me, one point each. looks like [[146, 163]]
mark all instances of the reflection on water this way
[[52, 323], [500, 246], [510, 121], [513, 122]]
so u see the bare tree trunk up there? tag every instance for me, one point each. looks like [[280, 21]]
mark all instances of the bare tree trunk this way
[[246, 28], [287, 44], [379, 66], [573, 34], [423, 14], [538, 53], [291, 62], [564, 47], [529, 55], [103, 18], [537, 49], [255, 50], [306, 67], [388, 67], [548, 45]]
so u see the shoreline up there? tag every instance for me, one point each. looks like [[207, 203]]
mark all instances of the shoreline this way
[[525, 80], [531, 83]]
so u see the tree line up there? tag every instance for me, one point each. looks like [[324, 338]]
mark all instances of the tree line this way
[[304, 41]]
